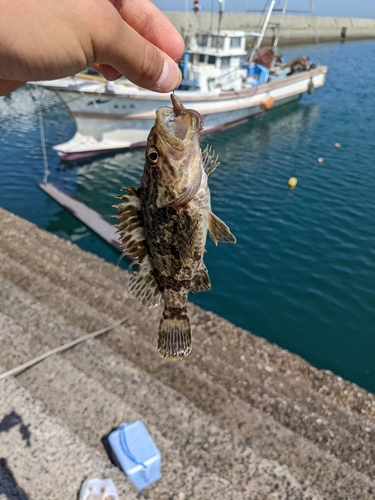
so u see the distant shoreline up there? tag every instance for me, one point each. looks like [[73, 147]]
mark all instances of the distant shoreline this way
[[295, 29]]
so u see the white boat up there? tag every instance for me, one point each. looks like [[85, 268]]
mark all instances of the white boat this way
[[217, 82]]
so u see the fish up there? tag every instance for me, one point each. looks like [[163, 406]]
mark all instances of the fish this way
[[164, 223]]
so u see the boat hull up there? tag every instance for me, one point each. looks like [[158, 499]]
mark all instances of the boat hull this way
[[108, 121]]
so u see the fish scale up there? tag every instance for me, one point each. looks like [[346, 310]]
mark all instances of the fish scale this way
[[164, 223]]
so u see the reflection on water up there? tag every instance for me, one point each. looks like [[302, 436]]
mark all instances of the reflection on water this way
[[248, 144], [303, 269], [66, 226]]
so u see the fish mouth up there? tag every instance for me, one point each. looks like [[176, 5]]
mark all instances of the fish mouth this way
[[178, 126]]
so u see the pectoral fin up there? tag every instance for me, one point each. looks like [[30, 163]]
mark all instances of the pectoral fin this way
[[210, 160], [143, 286], [219, 231]]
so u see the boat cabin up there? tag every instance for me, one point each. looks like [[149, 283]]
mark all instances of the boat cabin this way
[[222, 51], [214, 61]]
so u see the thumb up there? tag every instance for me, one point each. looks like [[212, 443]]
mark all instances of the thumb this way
[[137, 59], [7, 86]]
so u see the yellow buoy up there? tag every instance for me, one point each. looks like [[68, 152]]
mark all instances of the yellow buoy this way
[[292, 182]]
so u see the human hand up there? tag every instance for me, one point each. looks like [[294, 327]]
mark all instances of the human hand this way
[[45, 40]]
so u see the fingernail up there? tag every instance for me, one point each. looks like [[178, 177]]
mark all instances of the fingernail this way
[[170, 77]]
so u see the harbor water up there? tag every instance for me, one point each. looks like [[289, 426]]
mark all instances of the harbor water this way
[[302, 273]]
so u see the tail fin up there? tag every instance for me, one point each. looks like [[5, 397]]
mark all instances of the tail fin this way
[[174, 340]]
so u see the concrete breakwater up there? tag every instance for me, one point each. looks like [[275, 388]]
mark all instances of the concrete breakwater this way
[[294, 29], [239, 419]]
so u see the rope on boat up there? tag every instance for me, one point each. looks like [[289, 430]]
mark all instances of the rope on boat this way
[[312, 19], [68, 345], [20, 368], [42, 137]]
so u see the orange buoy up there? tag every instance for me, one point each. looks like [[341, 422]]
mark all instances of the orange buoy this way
[[268, 103]]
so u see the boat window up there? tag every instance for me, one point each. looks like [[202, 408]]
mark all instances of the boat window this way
[[235, 42], [217, 42], [202, 57], [211, 59], [202, 40], [225, 62]]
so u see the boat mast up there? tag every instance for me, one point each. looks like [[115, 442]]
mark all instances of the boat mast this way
[[265, 24], [263, 30], [193, 35], [281, 20]]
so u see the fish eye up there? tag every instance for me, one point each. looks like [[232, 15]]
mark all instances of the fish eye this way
[[152, 155]]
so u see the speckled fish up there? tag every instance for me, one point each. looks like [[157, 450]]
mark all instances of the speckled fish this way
[[164, 223]]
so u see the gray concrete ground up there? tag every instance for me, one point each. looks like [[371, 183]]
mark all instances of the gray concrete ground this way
[[240, 418]]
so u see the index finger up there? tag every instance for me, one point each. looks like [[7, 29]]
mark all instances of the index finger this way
[[145, 18]]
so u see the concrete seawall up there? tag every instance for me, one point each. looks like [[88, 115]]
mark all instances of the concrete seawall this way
[[295, 29], [238, 419]]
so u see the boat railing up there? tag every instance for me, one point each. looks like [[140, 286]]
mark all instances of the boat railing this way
[[95, 78], [228, 77]]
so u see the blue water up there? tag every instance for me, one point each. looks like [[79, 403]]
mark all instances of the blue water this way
[[303, 271]]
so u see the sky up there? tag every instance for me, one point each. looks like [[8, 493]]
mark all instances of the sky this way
[[334, 8]]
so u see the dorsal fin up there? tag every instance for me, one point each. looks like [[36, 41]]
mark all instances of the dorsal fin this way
[[210, 160], [130, 227], [132, 191]]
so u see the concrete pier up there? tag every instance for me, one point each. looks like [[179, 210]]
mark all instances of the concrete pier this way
[[295, 29], [239, 419]]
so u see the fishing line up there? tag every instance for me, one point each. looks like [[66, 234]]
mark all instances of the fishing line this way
[[68, 345], [131, 264], [120, 259], [331, 84]]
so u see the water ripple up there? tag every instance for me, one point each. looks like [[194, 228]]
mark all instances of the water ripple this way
[[303, 270]]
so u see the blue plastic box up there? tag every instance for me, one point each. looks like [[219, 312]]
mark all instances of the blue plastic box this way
[[136, 453], [262, 73], [251, 70]]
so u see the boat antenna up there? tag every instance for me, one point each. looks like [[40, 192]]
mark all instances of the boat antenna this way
[[221, 12], [312, 19], [186, 19], [196, 27], [211, 15]]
